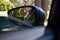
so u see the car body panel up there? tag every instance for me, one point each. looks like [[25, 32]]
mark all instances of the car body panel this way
[[29, 34]]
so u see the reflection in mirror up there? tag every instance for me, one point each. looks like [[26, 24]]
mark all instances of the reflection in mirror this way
[[25, 14]]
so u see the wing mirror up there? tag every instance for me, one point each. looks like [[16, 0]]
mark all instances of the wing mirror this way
[[31, 15]]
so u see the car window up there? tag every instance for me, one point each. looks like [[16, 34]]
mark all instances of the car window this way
[[6, 5]]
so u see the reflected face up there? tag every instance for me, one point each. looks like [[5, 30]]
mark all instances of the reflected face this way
[[26, 13], [26, 10]]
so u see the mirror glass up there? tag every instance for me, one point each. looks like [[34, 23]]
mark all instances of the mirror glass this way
[[25, 14]]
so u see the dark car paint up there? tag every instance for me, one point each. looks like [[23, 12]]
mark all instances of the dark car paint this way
[[5, 23], [37, 33], [28, 34], [40, 16]]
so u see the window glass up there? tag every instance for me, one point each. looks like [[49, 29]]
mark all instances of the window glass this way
[[6, 5]]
